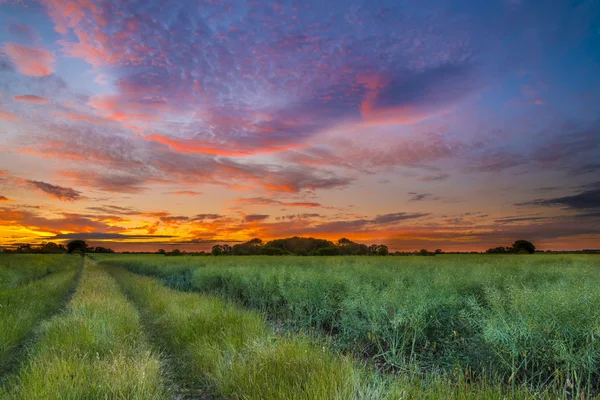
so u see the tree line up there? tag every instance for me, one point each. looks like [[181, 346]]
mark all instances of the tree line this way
[[300, 246], [79, 246]]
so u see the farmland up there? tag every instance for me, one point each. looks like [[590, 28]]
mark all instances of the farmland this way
[[149, 326]]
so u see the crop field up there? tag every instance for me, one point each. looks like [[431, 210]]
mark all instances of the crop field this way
[[258, 327]]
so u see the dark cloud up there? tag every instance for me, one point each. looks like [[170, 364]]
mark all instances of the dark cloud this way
[[107, 236], [55, 191], [255, 217], [200, 217], [586, 200], [432, 87], [270, 201], [418, 196], [396, 217], [4, 198]]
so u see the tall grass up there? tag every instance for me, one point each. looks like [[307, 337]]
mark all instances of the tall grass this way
[[18, 269], [23, 307], [524, 321], [96, 349], [232, 353]]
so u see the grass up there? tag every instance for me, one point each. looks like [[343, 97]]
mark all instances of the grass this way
[[528, 323], [95, 349], [23, 307], [19, 269], [230, 352]]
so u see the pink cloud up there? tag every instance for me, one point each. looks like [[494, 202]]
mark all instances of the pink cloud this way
[[7, 116], [31, 98], [31, 61]]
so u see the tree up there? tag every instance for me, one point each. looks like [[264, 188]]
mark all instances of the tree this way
[[77, 246], [523, 246], [217, 250], [328, 251], [438, 251], [498, 250], [382, 250], [161, 251]]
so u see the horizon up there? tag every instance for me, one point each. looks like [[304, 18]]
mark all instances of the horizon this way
[[441, 124]]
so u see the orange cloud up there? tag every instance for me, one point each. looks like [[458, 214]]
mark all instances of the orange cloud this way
[[185, 193], [4, 198], [7, 116], [31, 61], [31, 98]]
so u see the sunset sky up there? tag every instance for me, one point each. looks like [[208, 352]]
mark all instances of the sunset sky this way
[[459, 125]]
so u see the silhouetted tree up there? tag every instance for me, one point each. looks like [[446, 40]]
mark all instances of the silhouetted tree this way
[[161, 251], [77, 246], [217, 250], [523, 246], [328, 251], [382, 250]]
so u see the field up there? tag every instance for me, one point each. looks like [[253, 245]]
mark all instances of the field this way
[[153, 327]]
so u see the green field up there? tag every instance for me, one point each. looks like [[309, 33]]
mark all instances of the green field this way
[[149, 326]]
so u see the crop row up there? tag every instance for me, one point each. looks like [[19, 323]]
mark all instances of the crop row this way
[[19, 269], [534, 321], [24, 306]]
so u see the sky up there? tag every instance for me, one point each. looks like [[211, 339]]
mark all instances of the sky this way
[[451, 124]]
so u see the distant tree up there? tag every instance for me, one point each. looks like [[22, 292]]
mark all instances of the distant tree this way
[[77, 246], [438, 251], [382, 250], [372, 251], [273, 251], [423, 252], [347, 247], [100, 249], [52, 248], [174, 253], [498, 250], [217, 250], [251, 247], [523, 246], [161, 251], [328, 251], [300, 246], [25, 248]]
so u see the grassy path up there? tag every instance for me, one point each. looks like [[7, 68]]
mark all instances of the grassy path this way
[[231, 352], [96, 349], [24, 307]]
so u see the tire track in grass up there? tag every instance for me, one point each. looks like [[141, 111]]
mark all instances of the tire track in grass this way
[[24, 307], [231, 352], [95, 349]]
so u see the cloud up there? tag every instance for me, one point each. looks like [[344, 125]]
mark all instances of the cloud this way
[[396, 217], [66, 222], [8, 116], [31, 61], [107, 236], [56, 192], [418, 196], [255, 217], [184, 193], [586, 200], [411, 96], [201, 217], [30, 98], [434, 178], [4, 198], [270, 201]]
